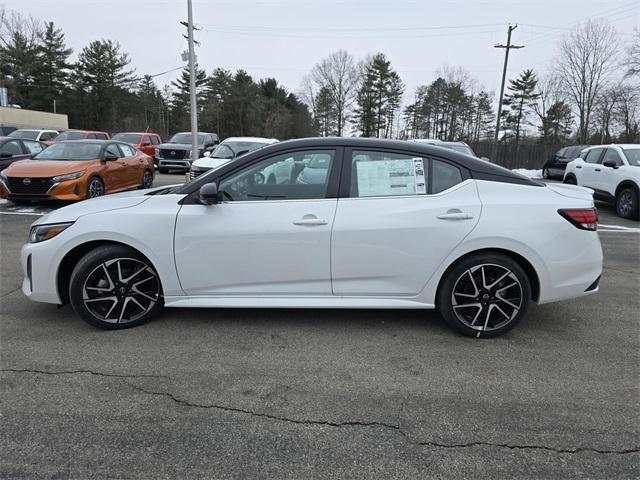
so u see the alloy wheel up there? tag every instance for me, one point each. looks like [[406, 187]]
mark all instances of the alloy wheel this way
[[486, 297], [96, 189], [625, 203], [121, 290], [147, 179]]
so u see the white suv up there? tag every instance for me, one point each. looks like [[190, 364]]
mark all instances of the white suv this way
[[613, 172]]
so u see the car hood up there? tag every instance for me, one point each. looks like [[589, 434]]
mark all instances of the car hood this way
[[571, 191], [71, 213], [176, 146], [45, 168], [208, 162]]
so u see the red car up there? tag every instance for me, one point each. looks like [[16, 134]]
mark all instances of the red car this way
[[146, 142], [82, 135]]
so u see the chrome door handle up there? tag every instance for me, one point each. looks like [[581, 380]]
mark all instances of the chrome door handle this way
[[597, 169], [455, 216], [310, 222], [578, 166]]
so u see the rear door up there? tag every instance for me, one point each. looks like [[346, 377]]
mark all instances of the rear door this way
[[133, 165], [114, 174], [402, 216]]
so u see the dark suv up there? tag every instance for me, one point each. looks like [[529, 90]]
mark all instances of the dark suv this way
[[556, 165], [176, 153]]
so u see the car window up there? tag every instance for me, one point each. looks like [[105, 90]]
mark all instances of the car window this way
[[611, 155], [91, 136], [146, 139], [276, 179], [444, 176], [223, 151], [101, 136], [12, 147], [127, 150], [593, 155], [316, 171], [633, 156], [32, 147], [112, 150], [155, 140], [561, 153], [375, 174]]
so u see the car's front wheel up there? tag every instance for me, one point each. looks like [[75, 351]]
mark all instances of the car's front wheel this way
[[570, 180], [627, 203], [484, 295], [114, 287], [95, 188]]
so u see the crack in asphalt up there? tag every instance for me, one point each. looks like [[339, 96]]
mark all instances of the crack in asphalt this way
[[621, 271], [9, 293], [75, 372], [351, 423]]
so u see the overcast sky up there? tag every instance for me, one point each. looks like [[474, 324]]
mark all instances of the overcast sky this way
[[284, 39]]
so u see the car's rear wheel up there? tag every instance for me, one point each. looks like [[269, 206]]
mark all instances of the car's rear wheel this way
[[627, 203], [147, 179], [570, 180], [114, 287], [484, 295], [95, 188]]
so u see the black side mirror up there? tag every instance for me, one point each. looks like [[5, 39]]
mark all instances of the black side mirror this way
[[208, 194], [610, 164], [109, 156]]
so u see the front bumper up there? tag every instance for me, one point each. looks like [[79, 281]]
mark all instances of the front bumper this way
[[69, 190], [174, 164], [40, 281]]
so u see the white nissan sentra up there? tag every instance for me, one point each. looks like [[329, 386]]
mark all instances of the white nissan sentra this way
[[375, 224]]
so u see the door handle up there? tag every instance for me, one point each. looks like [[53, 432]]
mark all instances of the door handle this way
[[597, 169], [310, 222], [455, 216], [578, 166]]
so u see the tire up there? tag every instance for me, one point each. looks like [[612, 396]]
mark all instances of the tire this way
[[627, 203], [115, 274], [147, 179], [570, 180], [95, 188], [489, 312]]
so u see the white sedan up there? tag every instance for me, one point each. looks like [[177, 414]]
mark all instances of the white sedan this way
[[387, 225]]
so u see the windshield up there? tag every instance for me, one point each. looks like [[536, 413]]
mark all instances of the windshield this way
[[31, 134], [131, 138], [70, 151], [633, 156], [70, 136], [185, 138], [229, 149]]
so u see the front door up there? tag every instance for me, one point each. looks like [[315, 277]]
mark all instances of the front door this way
[[591, 168], [404, 215], [262, 238]]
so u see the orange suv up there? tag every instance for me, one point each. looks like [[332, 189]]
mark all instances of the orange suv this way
[[75, 170]]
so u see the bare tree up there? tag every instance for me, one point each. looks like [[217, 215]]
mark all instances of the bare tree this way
[[587, 59], [632, 61], [627, 113], [603, 112], [550, 92], [339, 74]]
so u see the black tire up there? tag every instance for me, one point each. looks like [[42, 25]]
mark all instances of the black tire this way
[[570, 180], [147, 179], [98, 295], [95, 188], [465, 311], [627, 203]]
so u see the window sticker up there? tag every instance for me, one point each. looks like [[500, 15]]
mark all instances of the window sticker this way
[[391, 177]]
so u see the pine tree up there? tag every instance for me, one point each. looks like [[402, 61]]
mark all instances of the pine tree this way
[[181, 100], [51, 69], [326, 116], [556, 124], [520, 101]]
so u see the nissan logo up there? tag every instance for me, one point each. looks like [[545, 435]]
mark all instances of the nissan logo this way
[[26, 181], [173, 152]]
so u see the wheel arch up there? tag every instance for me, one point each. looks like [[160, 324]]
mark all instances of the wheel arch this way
[[528, 268], [625, 184], [73, 256]]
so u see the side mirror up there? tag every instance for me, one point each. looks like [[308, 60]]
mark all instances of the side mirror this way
[[610, 164], [207, 153], [208, 194], [110, 156]]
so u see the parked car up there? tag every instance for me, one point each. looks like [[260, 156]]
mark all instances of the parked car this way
[[460, 147], [392, 225], [146, 142], [613, 173], [14, 149], [6, 130], [555, 166], [81, 135], [176, 153], [75, 170], [229, 149], [46, 136]]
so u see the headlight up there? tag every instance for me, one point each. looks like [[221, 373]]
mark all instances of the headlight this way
[[3, 175], [68, 176], [157, 152], [40, 233]]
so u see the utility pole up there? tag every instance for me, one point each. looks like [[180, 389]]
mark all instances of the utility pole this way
[[192, 83], [506, 47]]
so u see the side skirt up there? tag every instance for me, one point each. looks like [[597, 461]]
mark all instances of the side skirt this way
[[294, 302]]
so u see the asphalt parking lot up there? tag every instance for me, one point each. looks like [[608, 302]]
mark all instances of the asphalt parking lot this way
[[323, 393]]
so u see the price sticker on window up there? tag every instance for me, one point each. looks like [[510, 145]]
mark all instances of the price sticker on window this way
[[419, 176]]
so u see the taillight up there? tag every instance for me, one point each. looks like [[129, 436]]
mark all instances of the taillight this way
[[584, 218]]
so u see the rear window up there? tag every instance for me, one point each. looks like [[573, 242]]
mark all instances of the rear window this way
[[70, 136], [127, 138], [30, 134]]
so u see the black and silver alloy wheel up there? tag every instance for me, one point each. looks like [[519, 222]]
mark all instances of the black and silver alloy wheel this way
[[484, 294], [487, 297], [147, 179], [120, 290], [95, 188], [627, 203], [114, 287]]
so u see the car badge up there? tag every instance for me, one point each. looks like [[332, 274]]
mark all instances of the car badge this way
[[26, 181], [173, 152]]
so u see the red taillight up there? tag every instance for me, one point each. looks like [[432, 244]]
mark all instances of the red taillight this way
[[584, 218]]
